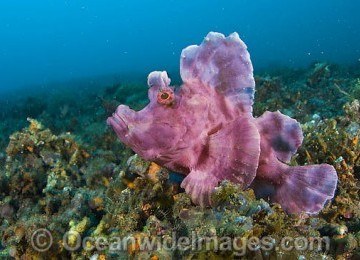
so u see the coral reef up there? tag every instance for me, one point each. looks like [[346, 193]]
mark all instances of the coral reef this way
[[44, 186], [321, 90], [85, 183]]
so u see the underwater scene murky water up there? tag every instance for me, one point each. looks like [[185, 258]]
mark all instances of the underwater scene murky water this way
[[151, 130]]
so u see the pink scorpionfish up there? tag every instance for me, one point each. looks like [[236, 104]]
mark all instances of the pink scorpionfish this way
[[205, 130]]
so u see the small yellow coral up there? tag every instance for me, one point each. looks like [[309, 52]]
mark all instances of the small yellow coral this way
[[77, 229], [82, 225], [97, 203], [34, 125], [153, 170], [355, 140], [101, 257], [72, 239], [134, 247], [105, 181], [130, 185], [99, 229]]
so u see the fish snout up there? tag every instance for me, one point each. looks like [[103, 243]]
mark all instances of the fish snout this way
[[126, 114], [121, 119]]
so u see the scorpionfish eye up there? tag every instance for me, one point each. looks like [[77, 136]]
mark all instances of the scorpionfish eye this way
[[165, 96]]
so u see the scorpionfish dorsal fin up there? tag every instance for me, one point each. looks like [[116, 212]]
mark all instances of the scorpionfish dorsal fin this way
[[222, 63]]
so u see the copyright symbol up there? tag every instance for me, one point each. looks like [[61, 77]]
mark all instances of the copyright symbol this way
[[41, 240]]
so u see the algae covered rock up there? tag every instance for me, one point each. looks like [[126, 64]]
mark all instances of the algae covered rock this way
[[39, 162], [43, 189]]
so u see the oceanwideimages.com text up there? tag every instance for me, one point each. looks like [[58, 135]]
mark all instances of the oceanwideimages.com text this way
[[72, 241]]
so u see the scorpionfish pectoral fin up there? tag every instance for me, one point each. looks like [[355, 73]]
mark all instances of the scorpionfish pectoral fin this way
[[231, 153]]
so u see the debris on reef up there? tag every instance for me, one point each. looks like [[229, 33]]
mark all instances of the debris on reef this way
[[44, 186], [87, 183], [323, 90]]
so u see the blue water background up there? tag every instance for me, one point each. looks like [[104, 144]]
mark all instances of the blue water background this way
[[43, 42]]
